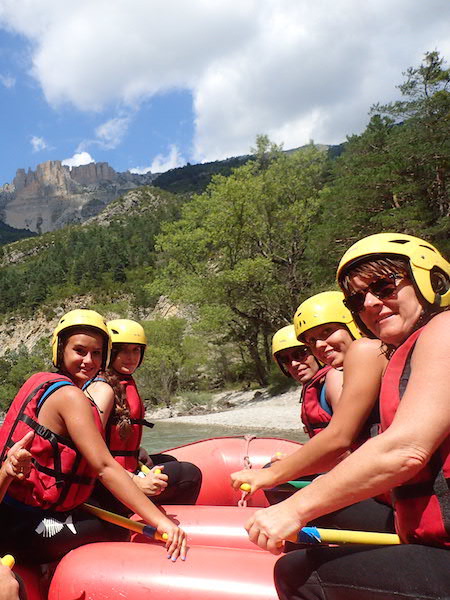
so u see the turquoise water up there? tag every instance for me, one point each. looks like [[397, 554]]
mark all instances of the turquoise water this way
[[169, 435]]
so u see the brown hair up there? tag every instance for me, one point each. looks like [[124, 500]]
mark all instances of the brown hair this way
[[380, 267]]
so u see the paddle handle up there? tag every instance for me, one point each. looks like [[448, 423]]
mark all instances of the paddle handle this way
[[8, 561], [146, 470], [147, 530]]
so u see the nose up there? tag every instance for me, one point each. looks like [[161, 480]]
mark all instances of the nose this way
[[371, 300], [320, 344], [88, 359]]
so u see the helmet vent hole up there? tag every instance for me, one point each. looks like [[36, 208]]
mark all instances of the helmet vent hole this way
[[440, 281], [428, 248]]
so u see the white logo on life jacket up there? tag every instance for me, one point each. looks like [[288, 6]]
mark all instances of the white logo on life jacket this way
[[49, 526]]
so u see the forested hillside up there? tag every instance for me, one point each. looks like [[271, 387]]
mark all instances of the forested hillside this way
[[245, 252]]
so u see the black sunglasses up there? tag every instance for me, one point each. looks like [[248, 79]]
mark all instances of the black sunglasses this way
[[382, 288], [296, 354]]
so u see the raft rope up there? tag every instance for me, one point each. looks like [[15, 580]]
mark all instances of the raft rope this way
[[247, 465]]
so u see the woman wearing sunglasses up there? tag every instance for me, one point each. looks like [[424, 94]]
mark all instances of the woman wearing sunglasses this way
[[321, 387], [327, 327], [398, 286]]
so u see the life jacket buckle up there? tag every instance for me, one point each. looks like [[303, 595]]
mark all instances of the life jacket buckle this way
[[43, 432]]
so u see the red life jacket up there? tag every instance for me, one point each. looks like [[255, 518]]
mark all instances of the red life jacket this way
[[314, 417], [60, 478], [126, 451], [422, 504]]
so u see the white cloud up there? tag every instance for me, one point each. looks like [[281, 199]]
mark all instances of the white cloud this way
[[162, 163], [38, 143], [79, 158], [7, 81], [110, 134], [293, 68]]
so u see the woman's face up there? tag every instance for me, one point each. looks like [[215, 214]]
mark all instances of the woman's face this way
[[127, 359], [299, 363], [329, 343], [391, 319], [82, 356]]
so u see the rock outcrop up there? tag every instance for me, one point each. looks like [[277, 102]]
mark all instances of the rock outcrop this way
[[54, 195]]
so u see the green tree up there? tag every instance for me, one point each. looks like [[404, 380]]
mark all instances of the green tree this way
[[394, 176], [239, 247]]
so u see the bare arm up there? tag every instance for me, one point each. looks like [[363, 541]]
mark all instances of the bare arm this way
[[383, 462], [334, 381], [363, 368]]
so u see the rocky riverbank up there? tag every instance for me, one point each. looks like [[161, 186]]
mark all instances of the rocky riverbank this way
[[256, 408]]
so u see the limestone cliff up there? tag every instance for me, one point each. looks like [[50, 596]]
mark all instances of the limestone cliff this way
[[54, 195]]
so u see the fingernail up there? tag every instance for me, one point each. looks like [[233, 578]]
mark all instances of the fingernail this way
[[174, 559], [169, 556]]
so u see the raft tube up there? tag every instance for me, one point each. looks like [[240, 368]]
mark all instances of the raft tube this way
[[123, 571], [218, 526], [218, 457]]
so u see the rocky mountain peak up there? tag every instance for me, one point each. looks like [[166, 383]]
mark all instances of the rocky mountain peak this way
[[54, 195]]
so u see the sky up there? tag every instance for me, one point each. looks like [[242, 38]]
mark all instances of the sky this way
[[147, 85]]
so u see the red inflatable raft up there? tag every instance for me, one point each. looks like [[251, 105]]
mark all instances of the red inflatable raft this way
[[218, 457], [122, 571], [221, 561]]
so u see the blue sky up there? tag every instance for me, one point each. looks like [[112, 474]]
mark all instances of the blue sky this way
[[155, 86]]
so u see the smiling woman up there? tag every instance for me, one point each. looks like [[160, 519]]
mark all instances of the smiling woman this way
[[40, 517]]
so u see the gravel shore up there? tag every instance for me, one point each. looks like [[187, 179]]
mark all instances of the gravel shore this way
[[255, 408]]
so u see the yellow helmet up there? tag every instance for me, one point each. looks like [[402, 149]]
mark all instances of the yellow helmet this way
[[80, 317], [284, 339], [126, 331], [327, 307], [424, 261]]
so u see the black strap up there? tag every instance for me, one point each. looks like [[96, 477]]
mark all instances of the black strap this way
[[310, 428], [417, 490], [64, 477], [143, 422], [46, 433], [134, 453]]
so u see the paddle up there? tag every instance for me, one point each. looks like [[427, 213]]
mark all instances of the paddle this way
[[313, 535], [8, 561], [307, 535], [147, 530]]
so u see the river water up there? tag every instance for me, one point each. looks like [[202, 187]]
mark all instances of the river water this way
[[169, 435]]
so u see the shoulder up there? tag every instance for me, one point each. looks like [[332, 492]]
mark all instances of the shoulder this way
[[333, 376], [366, 350], [99, 389], [435, 335], [70, 393]]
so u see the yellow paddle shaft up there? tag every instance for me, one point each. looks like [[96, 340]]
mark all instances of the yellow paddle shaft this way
[[121, 521], [342, 536]]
